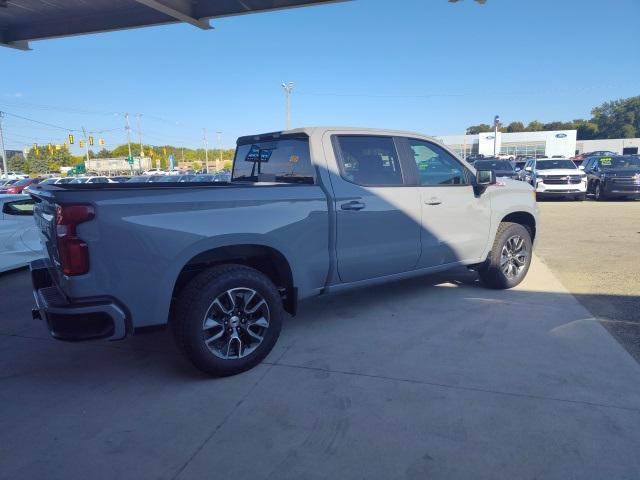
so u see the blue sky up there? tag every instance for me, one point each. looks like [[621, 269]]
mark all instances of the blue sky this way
[[424, 65]]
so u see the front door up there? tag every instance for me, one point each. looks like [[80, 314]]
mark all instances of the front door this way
[[377, 214], [455, 221]]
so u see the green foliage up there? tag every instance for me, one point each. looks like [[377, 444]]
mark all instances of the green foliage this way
[[514, 127], [475, 129], [615, 119], [17, 163]]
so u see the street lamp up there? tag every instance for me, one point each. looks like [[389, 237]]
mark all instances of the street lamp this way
[[496, 124], [287, 87]]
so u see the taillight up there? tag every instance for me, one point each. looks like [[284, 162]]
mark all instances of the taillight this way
[[73, 252], [12, 190]]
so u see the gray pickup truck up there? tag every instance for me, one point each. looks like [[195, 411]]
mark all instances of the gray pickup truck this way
[[307, 212]]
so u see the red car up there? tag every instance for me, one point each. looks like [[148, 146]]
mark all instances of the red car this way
[[20, 185]]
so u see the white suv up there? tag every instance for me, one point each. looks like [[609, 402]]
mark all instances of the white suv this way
[[555, 177], [14, 176]]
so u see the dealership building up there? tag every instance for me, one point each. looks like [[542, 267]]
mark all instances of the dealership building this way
[[536, 144]]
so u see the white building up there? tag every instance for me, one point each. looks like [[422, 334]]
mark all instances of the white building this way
[[624, 146], [530, 144], [118, 164]]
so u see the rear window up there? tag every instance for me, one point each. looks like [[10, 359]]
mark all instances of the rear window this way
[[283, 160], [493, 164]]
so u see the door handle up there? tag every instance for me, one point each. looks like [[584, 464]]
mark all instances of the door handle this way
[[353, 205], [433, 201]]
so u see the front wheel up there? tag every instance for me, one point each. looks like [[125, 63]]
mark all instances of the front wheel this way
[[599, 192], [228, 318], [509, 259]]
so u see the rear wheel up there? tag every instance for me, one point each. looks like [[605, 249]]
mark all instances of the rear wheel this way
[[509, 259], [228, 319]]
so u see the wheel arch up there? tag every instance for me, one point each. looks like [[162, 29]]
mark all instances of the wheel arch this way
[[266, 259], [523, 218]]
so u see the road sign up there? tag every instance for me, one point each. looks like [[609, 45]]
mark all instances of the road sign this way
[[130, 159]]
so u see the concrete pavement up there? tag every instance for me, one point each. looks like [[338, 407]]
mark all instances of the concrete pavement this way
[[407, 380]]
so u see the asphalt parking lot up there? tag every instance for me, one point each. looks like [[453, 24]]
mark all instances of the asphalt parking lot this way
[[428, 378]]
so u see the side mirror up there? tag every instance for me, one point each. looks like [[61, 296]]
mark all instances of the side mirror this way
[[581, 167], [485, 177], [528, 169]]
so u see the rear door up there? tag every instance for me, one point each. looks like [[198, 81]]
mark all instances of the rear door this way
[[455, 220], [377, 213]]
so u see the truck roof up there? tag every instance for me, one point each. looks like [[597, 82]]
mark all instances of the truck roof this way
[[320, 130]]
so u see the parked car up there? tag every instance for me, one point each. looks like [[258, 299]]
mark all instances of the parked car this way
[[204, 178], [6, 183], [222, 177], [613, 176], [96, 179], [501, 168], [19, 186], [308, 212], [139, 179], [473, 157], [19, 236], [555, 177], [504, 156], [14, 176], [120, 179], [155, 171]]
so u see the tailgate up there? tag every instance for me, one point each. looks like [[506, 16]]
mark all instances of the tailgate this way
[[44, 214]]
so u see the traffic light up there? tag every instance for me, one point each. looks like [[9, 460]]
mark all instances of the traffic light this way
[[81, 143], [101, 141], [50, 148], [71, 139], [90, 140]]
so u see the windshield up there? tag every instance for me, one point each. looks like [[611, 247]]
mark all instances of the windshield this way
[[24, 181], [492, 165], [281, 160], [555, 164], [78, 180], [619, 163]]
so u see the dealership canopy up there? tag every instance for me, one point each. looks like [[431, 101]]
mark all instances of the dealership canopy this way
[[25, 20]]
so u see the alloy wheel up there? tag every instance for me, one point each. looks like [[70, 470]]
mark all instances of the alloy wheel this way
[[236, 323], [514, 256]]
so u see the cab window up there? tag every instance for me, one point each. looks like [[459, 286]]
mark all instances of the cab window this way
[[18, 208], [435, 165], [369, 160]]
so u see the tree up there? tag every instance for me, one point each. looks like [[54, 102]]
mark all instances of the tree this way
[[535, 126], [514, 127], [103, 153], [17, 163], [618, 118], [475, 129], [197, 166]]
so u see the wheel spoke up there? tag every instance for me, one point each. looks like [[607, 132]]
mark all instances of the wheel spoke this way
[[255, 308], [210, 323], [520, 259], [217, 303], [215, 336]]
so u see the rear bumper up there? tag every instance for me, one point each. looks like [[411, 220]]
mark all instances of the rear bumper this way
[[75, 320]]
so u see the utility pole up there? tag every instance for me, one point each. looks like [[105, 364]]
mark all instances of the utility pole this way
[[128, 130], [86, 145], [288, 88], [138, 115], [206, 154], [219, 135], [5, 169], [496, 123]]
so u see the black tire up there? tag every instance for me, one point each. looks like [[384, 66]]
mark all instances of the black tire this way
[[598, 193], [491, 274], [194, 304]]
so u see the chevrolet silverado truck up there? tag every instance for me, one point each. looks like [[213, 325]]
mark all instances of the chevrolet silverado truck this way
[[307, 212]]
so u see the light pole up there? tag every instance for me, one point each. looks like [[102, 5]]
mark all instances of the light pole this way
[[288, 88], [128, 130], [219, 136], [5, 170], [138, 115], [496, 123], [206, 154]]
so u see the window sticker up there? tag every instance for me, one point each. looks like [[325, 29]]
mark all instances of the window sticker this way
[[605, 161]]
